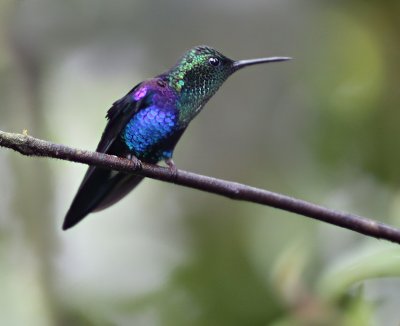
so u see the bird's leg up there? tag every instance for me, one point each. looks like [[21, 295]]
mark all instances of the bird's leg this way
[[172, 167]]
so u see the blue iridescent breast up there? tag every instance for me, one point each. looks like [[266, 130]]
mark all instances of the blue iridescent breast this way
[[146, 134]]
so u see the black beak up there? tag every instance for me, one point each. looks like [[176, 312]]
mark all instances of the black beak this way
[[244, 63]]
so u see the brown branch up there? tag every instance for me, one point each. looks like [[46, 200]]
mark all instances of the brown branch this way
[[31, 146]]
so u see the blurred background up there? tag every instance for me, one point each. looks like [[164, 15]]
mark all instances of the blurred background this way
[[323, 127]]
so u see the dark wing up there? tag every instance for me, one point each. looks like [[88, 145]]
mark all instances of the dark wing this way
[[118, 117], [98, 188]]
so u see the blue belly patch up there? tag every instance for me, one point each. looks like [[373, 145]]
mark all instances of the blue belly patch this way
[[147, 129]]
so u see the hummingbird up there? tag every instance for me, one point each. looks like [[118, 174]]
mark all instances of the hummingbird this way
[[148, 122]]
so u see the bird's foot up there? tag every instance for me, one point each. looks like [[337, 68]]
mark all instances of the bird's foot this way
[[172, 167], [135, 160]]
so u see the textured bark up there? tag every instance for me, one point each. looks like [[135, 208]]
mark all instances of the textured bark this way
[[31, 146]]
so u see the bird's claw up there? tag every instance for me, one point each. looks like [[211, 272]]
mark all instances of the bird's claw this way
[[135, 160]]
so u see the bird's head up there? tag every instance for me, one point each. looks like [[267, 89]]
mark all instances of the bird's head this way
[[205, 69], [201, 71]]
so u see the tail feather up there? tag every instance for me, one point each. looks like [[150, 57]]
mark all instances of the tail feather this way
[[122, 187], [100, 189]]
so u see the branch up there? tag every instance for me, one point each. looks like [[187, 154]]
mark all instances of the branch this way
[[31, 146]]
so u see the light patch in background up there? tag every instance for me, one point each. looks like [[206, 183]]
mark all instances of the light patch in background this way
[[125, 251]]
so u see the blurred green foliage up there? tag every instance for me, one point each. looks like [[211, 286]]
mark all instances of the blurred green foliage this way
[[323, 127]]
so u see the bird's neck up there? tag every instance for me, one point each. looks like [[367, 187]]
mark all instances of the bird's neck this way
[[193, 93]]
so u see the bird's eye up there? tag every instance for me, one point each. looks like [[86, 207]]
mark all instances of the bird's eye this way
[[214, 61]]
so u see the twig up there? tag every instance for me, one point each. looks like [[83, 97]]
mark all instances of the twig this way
[[31, 146]]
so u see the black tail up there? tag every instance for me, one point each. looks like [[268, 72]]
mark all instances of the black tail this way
[[99, 189]]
